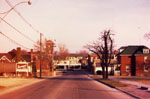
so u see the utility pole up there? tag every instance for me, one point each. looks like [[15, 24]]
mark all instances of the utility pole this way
[[40, 55]]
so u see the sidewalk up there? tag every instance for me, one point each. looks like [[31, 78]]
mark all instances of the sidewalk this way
[[134, 88]]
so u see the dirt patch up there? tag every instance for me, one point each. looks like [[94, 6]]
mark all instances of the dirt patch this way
[[108, 81], [10, 84], [96, 76], [114, 83]]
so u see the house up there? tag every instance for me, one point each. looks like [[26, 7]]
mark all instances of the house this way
[[27, 63], [13, 63], [134, 60], [84, 63], [5, 58], [95, 64], [6, 61], [71, 62]]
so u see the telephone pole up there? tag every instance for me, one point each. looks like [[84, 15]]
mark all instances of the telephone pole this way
[[40, 55]]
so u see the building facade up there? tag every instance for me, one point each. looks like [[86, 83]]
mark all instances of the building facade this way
[[95, 64], [134, 60], [71, 62]]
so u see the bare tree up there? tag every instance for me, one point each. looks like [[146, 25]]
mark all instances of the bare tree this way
[[63, 51], [37, 45], [103, 48], [43, 45], [47, 51]]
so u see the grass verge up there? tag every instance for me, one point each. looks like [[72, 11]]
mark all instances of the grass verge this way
[[109, 82], [114, 83]]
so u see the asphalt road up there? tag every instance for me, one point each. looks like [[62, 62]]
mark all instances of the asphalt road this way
[[72, 85]]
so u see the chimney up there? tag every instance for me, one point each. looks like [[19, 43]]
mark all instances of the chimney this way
[[18, 54], [31, 54], [31, 51]]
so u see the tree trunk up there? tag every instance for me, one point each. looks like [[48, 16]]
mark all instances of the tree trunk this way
[[107, 72], [104, 72]]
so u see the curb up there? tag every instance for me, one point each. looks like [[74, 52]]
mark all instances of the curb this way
[[105, 83], [145, 88], [114, 87], [118, 89]]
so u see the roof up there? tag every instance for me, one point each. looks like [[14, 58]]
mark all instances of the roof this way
[[123, 47], [57, 57], [27, 58], [5, 54], [12, 55], [75, 55], [133, 50]]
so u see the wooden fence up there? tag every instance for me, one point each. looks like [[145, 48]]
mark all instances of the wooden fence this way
[[7, 67]]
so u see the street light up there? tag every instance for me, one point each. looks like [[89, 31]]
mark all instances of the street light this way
[[7, 12], [29, 2]]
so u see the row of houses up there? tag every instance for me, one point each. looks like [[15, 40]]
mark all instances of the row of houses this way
[[18, 62], [128, 60], [71, 62]]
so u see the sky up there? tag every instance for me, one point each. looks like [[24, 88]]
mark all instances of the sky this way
[[76, 23]]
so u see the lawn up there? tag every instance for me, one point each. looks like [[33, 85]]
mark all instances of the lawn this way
[[114, 83], [9, 84], [108, 81], [145, 80]]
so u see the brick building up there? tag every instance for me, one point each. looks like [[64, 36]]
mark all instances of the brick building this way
[[134, 60]]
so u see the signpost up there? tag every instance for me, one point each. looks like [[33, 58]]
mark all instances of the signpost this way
[[22, 67]]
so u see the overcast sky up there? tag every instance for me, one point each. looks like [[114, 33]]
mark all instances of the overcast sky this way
[[77, 22]]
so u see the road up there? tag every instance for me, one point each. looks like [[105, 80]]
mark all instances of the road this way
[[72, 85]]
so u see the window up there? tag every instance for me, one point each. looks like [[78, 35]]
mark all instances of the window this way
[[145, 59], [145, 51], [47, 65], [146, 68], [95, 58], [127, 68], [92, 59]]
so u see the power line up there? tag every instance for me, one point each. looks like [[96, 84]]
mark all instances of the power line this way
[[13, 41], [19, 14], [23, 18], [18, 30], [7, 12], [13, 7]]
